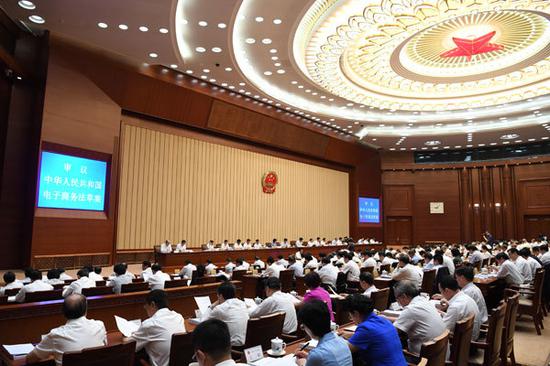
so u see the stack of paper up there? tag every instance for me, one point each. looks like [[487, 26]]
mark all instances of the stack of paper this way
[[127, 327], [203, 302], [288, 360], [19, 349]]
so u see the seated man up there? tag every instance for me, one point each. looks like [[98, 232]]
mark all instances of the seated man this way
[[508, 270], [230, 310], [53, 277], [296, 266], [157, 279], [273, 269], [368, 260], [166, 247], [278, 301], [146, 270], [311, 262], [457, 306], [78, 333], [328, 273], [210, 267], [181, 247], [281, 261], [119, 279], [186, 272], [10, 282], [96, 274], [331, 349], [474, 255], [465, 278], [521, 265], [419, 321], [534, 264], [36, 285], [258, 263], [76, 287], [375, 339], [242, 265], [405, 271], [155, 333], [212, 344], [350, 268], [366, 280]]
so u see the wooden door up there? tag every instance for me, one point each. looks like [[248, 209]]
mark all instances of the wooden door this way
[[536, 225], [398, 231]]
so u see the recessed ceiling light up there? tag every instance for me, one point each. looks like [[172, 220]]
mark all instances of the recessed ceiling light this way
[[163, 30], [206, 71], [277, 64], [250, 40], [259, 19], [203, 23], [102, 25], [268, 73], [189, 71], [242, 84], [123, 26], [37, 19], [25, 4], [174, 66], [509, 136], [274, 58], [200, 49], [273, 50], [277, 21], [143, 28], [222, 25], [212, 80], [294, 82], [266, 41], [153, 55], [281, 71]]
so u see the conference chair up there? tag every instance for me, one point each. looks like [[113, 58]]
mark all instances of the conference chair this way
[[367, 269], [68, 282], [285, 276], [11, 291], [428, 281], [238, 275], [485, 263], [117, 355], [433, 353], [460, 342], [43, 295], [300, 286], [97, 291], [175, 283], [100, 283], [507, 347], [385, 267], [137, 280], [532, 306], [492, 340], [3, 300], [260, 331], [380, 299], [59, 286], [181, 349], [134, 287]]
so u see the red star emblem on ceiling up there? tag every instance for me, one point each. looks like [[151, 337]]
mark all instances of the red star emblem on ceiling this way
[[469, 47]]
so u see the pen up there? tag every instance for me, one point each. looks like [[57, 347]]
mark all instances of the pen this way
[[304, 346]]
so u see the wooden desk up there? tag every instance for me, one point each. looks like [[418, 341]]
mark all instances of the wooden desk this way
[[24, 323], [382, 283], [492, 289], [220, 256]]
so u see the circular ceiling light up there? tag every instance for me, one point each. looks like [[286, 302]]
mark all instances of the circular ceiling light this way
[[203, 23], [266, 41], [432, 143], [143, 28], [174, 66], [281, 71], [277, 21], [216, 49], [37, 19], [259, 19], [102, 25], [222, 25], [268, 73], [123, 26], [200, 49], [25, 4], [228, 69], [509, 136], [273, 50], [153, 55], [250, 40], [163, 30]]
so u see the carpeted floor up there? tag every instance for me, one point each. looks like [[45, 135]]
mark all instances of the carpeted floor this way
[[530, 348]]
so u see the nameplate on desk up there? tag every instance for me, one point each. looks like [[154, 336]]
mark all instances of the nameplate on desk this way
[[253, 354]]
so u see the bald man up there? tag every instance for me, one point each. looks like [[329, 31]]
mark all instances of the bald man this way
[[78, 333]]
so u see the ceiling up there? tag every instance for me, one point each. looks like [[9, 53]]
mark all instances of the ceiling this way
[[396, 74]]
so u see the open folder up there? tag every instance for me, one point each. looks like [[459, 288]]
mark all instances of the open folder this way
[[127, 327]]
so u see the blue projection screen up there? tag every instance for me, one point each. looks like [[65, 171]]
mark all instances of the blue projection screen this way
[[70, 182], [369, 210]]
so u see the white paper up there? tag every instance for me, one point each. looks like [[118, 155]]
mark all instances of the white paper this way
[[288, 360], [250, 304], [127, 327], [203, 302], [19, 349], [353, 328]]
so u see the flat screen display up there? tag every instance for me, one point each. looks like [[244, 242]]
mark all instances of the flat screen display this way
[[369, 210], [70, 182]]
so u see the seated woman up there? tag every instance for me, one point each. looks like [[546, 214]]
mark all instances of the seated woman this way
[[315, 292]]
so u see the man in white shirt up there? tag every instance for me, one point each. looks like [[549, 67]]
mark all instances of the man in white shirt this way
[[78, 333], [231, 311], [212, 344], [96, 274], [229, 266], [447, 261], [181, 247], [119, 279], [366, 281], [166, 247], [281, 261], [247, 244], [10, 282], [278, 301], [257, 244], [544, 254], [384, 259], [242, 265], [296, 266], [521, 264], [157, 279], [350, 268], [210, 245], [186, 272], [62, 275], [531, 262], [310, 242], [474, 255], [238, 245], [155, 333], [273, 269], [285, 243], [259, 263], [407, 272], [465, 277], [225, 245], [76, 287], [210, 266], [52, 277], [368, 260], [457, 306], [420, 320], [146, 270], [328, 272], [299, 242], [36, 285], [311, 262], [508, 270]]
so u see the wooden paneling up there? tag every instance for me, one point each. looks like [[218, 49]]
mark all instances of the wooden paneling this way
[[398, 231], [174, 187], [398, 200]]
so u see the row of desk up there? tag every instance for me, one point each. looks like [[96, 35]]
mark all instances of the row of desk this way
[[220, 256]]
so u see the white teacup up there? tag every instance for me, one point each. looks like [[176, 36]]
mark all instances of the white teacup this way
[[333, 326], [293, 293], [258, 300], [277, 346]]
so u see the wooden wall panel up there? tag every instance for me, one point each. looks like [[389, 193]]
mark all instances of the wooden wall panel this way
[[398, 200], [175, 187]]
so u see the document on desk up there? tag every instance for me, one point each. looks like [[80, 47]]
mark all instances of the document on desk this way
[[250, 304], [203, 302], [288, 360], [19, 349], [127, 327]]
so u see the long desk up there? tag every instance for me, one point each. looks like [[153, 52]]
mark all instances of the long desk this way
[[24, 323], [220, 256]]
